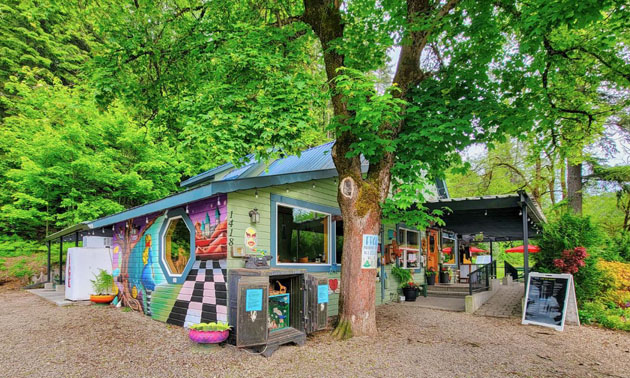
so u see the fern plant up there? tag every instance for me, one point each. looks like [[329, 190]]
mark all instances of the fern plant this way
[[402, 275], [102, 283]]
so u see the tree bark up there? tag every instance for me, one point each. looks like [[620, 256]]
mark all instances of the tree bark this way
[[563, 178], [574, 187]]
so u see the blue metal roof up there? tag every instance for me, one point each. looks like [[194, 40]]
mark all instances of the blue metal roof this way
[[313, 159]]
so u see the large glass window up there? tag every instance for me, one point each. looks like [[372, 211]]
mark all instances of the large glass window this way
[[302, 236], [176, 245]]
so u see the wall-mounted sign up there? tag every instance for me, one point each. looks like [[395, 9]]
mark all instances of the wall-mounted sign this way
[[322, 293], [369, 250], [550, 300], [254, 300]]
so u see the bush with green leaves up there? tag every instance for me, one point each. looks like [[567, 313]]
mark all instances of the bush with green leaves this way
[[21, 269], [402, 275], [218, 326], [103, 282], [620, 244], [607, 315]]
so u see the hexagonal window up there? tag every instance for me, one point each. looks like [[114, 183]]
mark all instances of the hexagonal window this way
[[176, 245]]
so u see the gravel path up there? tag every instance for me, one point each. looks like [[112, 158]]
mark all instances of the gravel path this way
[[41, 339]]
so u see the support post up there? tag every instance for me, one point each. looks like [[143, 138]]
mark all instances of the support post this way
[[49, 264], [491, 257], [525, 243], [76, 239], [382, 265], [60, 259]]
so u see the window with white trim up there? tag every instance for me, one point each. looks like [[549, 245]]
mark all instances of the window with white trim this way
[[302, 236], [410, 247]]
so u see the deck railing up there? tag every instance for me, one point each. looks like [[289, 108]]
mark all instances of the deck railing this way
[[511, 270], [479, 280]]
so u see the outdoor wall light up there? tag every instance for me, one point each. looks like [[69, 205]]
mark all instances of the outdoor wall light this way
[[254, 216], [486, 212], [256, 194]]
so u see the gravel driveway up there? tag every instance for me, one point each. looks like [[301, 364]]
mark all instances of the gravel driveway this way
[[40, 339]]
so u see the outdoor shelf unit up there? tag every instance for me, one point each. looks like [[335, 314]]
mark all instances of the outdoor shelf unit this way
[[307, 312]]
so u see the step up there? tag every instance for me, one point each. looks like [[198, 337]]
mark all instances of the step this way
[[449, 288], [49, 286], [447, 294], [61, 288]]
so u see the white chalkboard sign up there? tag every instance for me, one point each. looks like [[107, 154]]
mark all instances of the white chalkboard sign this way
[[548, 299]]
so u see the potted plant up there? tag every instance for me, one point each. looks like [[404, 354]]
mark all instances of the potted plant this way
[[410, 290], [445, 275], [102, 284], [430, 273], [209, 333]]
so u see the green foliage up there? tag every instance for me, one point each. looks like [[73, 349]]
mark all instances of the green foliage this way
[[103, 282], [21, 269], [402, 275], [73, 162], [620, 245], [218, 326], [609, 316], [13, 245]]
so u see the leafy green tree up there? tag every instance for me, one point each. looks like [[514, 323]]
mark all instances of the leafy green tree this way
[[75, 161]]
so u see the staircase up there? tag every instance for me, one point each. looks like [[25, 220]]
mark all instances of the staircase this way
[[448, 290]]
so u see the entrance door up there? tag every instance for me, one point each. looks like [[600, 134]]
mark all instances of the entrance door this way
[[433, 246]]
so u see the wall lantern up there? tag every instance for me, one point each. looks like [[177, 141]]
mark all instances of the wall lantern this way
[[254, 216]]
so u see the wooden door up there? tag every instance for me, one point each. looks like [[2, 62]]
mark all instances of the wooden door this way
[[433, 247], [253, 302]]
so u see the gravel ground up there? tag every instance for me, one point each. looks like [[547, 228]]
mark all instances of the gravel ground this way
[[40, 339]]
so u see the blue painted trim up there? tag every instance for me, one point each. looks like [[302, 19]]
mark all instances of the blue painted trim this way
[[211, 189], [275, 199], [191, 260]]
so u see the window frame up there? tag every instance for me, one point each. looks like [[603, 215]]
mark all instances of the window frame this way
[[405, 249], [169, 216], [329, 241], [293, 202]]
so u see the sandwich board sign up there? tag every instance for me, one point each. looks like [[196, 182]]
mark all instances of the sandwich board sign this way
[[550, 301]]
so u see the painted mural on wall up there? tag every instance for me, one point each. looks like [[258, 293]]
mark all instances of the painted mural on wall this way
[[142, 284]]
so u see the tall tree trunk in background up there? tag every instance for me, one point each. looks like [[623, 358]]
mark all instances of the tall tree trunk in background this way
[[563, 178], [574, 187], [537, 184]]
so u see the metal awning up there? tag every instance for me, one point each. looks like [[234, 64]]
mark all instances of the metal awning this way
[[498, 217]]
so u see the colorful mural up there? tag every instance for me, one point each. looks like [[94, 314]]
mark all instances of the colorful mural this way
[[142, 284]]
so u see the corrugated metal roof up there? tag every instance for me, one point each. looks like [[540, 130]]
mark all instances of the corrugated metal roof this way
[[313, 159]]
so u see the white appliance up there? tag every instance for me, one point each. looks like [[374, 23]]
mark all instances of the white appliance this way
[[82, 265]]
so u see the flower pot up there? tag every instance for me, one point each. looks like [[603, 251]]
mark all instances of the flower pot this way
[[102, 299], [208, 337], [445, 277], [410, 294], [431, 279]]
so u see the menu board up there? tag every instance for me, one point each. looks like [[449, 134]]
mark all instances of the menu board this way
[[547, 299]]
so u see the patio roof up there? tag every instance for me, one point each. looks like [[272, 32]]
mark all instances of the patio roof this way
[[498, 217]]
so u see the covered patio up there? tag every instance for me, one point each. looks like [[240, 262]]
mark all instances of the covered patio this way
[[498, 218]]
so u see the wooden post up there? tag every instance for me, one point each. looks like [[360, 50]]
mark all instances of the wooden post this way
[[49, 264], [60, 259], [525, 243]]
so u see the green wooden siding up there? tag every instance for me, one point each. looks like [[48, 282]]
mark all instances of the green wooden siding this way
[[321, 192]]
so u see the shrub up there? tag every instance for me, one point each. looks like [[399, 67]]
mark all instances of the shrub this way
[[619, 274], [620, 244], [13, 245], [103, 282], [571, 260], [402, 275]]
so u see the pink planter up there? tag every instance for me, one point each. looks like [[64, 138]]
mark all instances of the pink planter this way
[[208, 337]]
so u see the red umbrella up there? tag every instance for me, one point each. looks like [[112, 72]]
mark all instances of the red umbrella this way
[[520, 249], [447, 250]]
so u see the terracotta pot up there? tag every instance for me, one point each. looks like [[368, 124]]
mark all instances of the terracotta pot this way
[[208, 337], [102, 299]]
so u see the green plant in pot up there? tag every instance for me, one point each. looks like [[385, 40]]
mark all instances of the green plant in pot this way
[[209, 333], [430, 273], [102, 284], [408, 287]]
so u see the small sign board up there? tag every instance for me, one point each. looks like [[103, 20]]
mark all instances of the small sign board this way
[[254, 300], [548, 299], [322, 293], [369, 250]]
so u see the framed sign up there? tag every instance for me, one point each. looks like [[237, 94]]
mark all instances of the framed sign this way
[[548, 299], [369, 250]]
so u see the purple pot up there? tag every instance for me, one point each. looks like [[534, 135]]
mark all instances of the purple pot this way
[[208, 337]]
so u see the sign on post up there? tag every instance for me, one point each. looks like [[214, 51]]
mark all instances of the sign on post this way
[[369, 250], [549, 298]]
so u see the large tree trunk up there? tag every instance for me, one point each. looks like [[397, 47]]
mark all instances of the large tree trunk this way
[[574, 187], [563, 178]]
